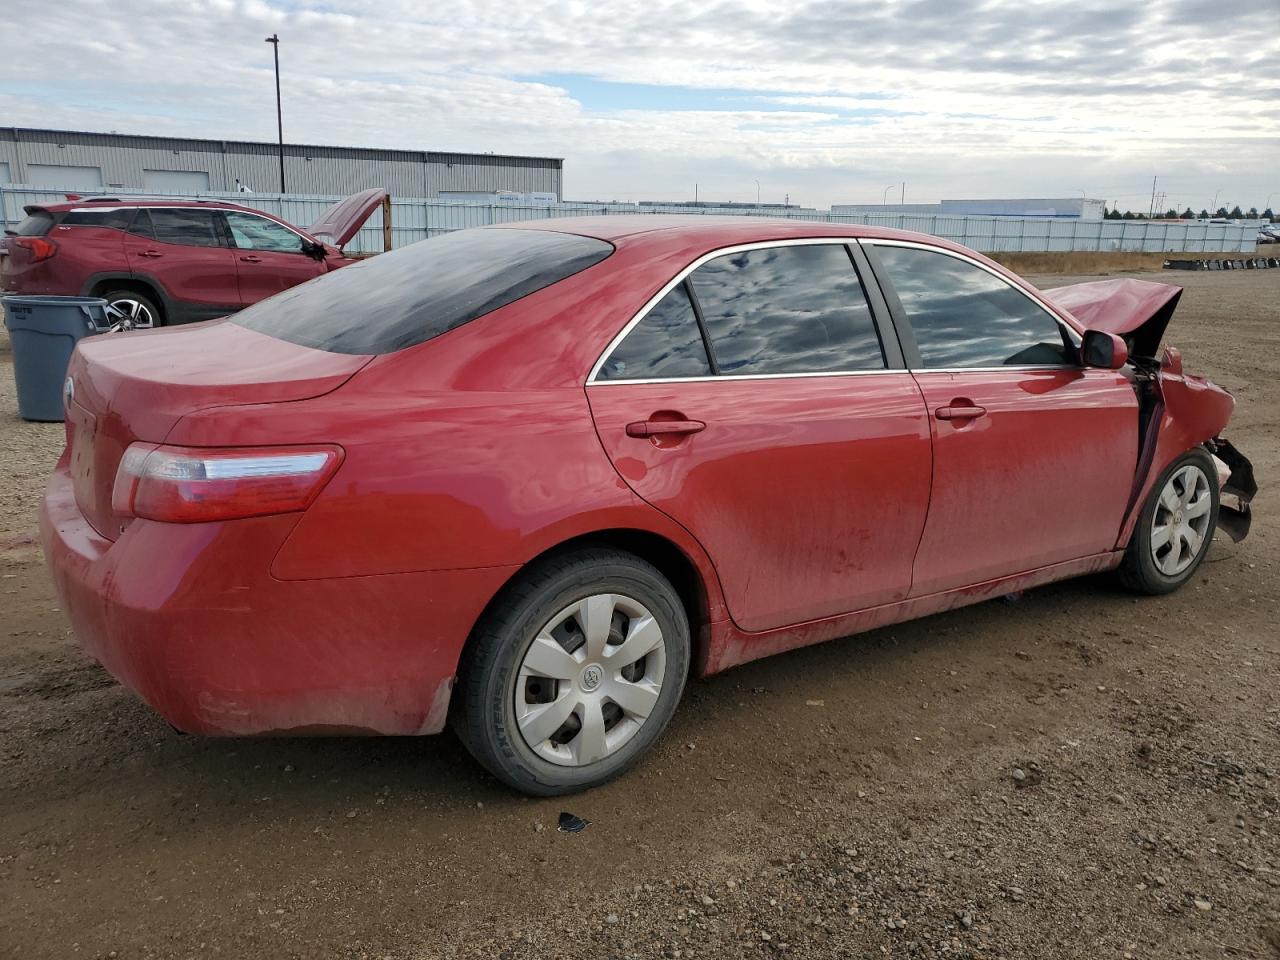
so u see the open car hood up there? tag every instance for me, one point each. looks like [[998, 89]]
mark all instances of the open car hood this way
[[1137, 310], [343, 220]]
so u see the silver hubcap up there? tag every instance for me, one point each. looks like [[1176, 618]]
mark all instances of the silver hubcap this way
[[1181, 521], [129, 315], [590, 679]]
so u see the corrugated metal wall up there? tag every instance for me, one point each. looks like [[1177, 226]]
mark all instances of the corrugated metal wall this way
[[308, 169], [416, 219]]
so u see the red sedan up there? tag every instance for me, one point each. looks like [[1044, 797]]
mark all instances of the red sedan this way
[[530, 478]]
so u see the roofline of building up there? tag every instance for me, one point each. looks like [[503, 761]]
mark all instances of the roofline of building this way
[[154, 141]]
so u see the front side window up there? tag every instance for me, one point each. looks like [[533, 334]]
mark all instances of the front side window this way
[[787, 309], [190, 227], [665, 343], [962, 316], [259, 233]]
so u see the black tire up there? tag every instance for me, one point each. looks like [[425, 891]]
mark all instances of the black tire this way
[[145, 304], [484, 702], [1139, 570]]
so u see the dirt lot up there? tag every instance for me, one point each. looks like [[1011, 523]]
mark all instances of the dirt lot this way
[[852, 800]]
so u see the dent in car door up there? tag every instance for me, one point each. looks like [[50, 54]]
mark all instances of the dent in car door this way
[[1033, 455], [808, 488]]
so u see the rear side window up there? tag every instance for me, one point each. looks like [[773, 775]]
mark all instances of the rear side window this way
[[35, 225], [189, 227], [964, 317], [402, 298], [116, 219], [665, 343], [789, 309]]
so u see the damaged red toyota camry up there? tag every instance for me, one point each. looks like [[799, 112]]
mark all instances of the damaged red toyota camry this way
[[528, 479]]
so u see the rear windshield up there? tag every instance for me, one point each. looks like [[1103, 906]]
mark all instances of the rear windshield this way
[[399, 299], [36, 225]]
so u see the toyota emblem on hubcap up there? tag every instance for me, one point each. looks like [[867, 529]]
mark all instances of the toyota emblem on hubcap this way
[[591, 677]]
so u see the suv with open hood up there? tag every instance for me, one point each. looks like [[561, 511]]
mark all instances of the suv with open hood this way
[[164, 260]]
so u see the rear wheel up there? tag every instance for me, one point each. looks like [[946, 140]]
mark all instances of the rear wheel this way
[[131, 310], [574, 673], [1176, 526]]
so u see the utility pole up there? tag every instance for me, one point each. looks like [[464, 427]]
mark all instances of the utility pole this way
[[757, 193], [274, 40], [1152, 209], [904, 193]]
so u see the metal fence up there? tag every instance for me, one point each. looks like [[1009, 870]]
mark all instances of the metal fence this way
[[414, 219]]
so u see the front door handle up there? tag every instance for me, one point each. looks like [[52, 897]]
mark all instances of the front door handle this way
[[664, 428], [960, 411], [251, 259], [150, 253]]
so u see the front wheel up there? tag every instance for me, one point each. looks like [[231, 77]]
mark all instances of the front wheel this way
[[1175, 528], [574, 673]]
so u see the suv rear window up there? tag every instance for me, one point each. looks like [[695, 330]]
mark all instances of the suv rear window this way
[[35, 225], [399, 299]]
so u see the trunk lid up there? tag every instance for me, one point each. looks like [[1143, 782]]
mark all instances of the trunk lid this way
[[135, 387], [1137, 310], [343, 220]]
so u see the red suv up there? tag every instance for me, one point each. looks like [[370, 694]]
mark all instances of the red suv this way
[[162, 261]]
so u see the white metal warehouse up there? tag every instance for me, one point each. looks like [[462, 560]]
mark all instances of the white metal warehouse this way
[[76, 160]]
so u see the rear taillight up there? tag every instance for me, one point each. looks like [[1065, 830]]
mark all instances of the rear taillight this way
[[185, 485], [40, 248]]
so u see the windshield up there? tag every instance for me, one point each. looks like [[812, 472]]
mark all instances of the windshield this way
[[399, 299]]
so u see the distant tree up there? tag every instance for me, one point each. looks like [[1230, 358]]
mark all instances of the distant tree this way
[[1236, 213], [1188, 214], [1141, 215], [1112, 215], [1253, 213], [1128, 215], [1269, 213], [1203, 214], [1222, 212], [1170, 214]]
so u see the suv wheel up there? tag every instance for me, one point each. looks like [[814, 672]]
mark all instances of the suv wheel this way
[[130, 310]]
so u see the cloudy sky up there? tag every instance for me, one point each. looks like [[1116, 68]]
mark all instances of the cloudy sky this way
[[828, 102]]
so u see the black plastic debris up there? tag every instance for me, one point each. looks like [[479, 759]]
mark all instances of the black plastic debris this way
[[571, 824]]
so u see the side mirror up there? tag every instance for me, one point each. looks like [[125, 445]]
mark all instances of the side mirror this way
[[313, 249], [1104, 350]]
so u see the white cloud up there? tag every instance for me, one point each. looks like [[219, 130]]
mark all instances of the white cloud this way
[[956, 97]]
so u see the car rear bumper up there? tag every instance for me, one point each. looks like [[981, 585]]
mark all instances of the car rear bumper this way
[[189, 618]]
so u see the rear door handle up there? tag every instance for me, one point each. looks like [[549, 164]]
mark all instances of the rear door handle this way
[[960, 412], [664, 428], [251, 259]]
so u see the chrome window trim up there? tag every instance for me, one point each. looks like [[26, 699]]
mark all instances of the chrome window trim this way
[[1073, 334], [680, 278]]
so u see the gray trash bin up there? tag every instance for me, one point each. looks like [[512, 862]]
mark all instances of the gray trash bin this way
[[44, 332]]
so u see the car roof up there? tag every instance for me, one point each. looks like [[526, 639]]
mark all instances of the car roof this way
[[670, 232]]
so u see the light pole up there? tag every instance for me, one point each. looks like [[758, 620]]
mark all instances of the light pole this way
[[884, 197], [757, 193], [1213, 207], [274, 40]]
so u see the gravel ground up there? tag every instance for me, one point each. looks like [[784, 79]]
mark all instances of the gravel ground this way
[[1077, 773]]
